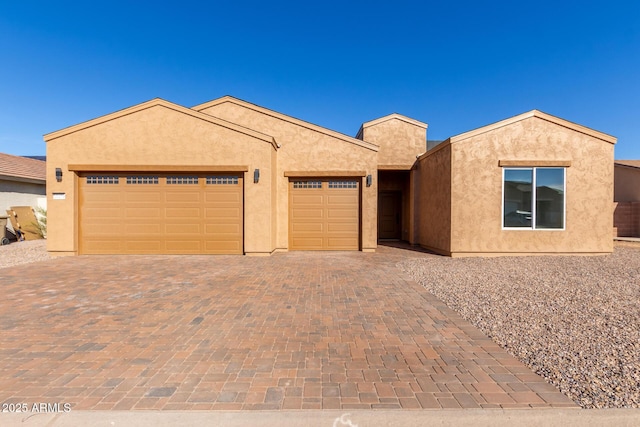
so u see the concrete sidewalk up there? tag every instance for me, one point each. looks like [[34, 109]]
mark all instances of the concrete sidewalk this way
[[444, 417]]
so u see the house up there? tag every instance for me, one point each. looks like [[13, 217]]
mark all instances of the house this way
[[231, 177], [530, 184], [22, 182], [626, 196]]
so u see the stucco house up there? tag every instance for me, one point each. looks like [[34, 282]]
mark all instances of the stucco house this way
[[22, 181], [626, 195], [231, 177]]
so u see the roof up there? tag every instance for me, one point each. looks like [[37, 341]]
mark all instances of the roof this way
[[539, 114], [286, 118], [392, 116], [22, 168], [397, 117], [628, 163], [170, 105]]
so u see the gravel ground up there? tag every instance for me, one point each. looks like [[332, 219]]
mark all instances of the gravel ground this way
[[23, 253], [573, 320]]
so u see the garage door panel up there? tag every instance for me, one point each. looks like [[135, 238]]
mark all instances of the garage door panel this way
[[309, 227], [307, 243], [142, 213], [217, 229], [103, 246], [323, 218], [180, 228], [301, 214], [222, 213], [147, 215], [222, 246], [342, 214], [341, 244], [143, 245], [183, 197], [347, 200], [342, 228], [104, 197], [100, 212], [182, 245], [223, 197], [307, 199], [142, 196], [184, 213], [101, 230], [143, 229]]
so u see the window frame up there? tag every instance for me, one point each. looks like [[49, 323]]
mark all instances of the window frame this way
[[534, 196]]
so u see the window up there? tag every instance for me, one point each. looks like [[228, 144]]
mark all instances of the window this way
[[307, 184], [534, 198], [343, 184], [101, 179], [182, 180], [142, 180], [222, 180]]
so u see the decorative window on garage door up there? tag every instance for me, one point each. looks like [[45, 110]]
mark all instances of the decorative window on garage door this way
[[307, 184], [182, 180], [142, 180], [102, 179], [222, 180], [343, 184]]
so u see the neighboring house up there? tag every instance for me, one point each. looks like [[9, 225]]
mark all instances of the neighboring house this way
[[626, 195], [229, 176], [22, 182]]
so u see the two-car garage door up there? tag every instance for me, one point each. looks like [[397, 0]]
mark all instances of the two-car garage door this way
[[160, 214]]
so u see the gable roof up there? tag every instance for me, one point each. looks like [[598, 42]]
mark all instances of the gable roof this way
[[391, 116], [154, 103], [539, 114], [18, 168], [628, 163], [286, 118]]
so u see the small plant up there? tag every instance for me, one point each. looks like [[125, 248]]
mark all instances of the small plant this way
[[41, 218]]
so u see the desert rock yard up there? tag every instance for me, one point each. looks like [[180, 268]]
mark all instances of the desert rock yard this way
[[23, 253], [574, 320]]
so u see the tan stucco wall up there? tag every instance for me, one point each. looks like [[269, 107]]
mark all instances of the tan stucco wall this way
[[400, 142], [159, 136], [476, 217], [433, 177], [306, 149], [626, 184]]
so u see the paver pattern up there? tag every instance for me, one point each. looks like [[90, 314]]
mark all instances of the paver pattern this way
[[297, 330]]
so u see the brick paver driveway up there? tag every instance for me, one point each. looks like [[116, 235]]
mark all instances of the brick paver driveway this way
[[298, 330]]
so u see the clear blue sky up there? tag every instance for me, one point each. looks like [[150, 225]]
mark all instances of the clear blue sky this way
[[456, 65]]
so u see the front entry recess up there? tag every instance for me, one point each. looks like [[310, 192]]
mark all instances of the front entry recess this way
[[389, 215]]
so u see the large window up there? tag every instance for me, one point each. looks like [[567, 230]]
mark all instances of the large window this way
[[534, 198]]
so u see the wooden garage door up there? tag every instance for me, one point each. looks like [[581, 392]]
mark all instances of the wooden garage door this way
[[324, 214], [160, 214]]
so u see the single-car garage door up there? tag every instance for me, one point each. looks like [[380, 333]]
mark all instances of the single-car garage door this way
[[160, 214], [324, 214]]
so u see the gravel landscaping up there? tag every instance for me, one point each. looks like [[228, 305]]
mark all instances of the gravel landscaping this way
[[574, 320], [23, 253]]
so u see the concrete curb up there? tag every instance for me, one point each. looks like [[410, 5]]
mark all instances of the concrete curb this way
[[444, 417]]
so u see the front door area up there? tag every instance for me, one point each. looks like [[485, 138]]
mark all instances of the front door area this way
[[389, 215]]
